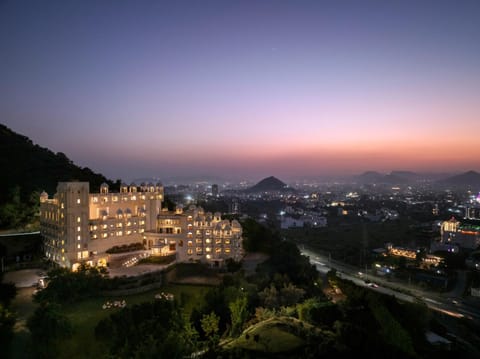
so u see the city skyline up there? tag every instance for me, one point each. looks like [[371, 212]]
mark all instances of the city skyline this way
[[245, 89]]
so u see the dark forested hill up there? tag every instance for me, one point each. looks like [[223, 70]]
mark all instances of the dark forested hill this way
[[27, 168]]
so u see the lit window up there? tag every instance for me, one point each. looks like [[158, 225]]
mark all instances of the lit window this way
[[79, 246], [78, 219], [79, 229], [78, 200], [227, 250], [189, 251], [208, 249], [95, 199], [104, 235], [208, 240], [78, 238], [218, 250]]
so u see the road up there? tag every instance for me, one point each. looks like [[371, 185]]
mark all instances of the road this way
[[449, 304]]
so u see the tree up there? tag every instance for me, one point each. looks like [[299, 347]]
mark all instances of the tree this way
[[209, 324], [269, 297], [7, 321], [238, 314], [8, 291], [47, 326]]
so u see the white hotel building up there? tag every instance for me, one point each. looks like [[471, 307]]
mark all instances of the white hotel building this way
[[78, 226]]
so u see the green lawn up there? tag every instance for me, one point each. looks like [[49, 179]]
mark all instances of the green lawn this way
[[275, 335], [86, 314]]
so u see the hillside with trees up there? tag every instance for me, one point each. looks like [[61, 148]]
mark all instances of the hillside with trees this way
[[27, 170], [279, 311]]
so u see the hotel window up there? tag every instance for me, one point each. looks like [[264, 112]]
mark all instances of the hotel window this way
[[119, 233], [199, 250], [141, 230], [190, 243], [208, 249], [142, 223], [218, 250], [119, 225], [115, 199], [78, 200], [208, 240], [190, 252], [79, 246], [95, 199], [78, 238], [94, 236], [79, 229], [199, 242], [218, 241], [78, 219], [104, 226], [179, 231], [62, 206], [227, 250], [227, 241]]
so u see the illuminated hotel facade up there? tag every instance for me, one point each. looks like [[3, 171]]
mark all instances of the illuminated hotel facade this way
[[79, 227]]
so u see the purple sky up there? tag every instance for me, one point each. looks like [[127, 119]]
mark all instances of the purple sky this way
[[245, 88]]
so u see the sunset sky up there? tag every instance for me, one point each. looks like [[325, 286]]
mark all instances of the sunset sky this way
[[245, 88]]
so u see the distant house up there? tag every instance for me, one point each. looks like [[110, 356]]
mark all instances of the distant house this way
[[289, 222]]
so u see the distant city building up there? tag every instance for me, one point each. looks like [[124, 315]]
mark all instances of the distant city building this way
[[79, 227], [215, 190], [456, 234], [289, 222], [234, 206]]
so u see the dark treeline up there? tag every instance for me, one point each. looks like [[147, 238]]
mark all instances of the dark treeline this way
[[27, 170]]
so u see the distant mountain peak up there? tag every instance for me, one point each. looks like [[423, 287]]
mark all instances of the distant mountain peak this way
[[269, 184], [470, 178]]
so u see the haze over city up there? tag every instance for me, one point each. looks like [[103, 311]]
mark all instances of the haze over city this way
[[248, 89]]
